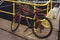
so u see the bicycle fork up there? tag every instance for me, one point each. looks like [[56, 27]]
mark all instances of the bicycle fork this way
[[27, 24], [41, 27]]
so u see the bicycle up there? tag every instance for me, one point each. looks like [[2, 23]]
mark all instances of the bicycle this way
[[40, 23]]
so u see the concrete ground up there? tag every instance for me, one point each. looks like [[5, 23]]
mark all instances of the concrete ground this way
[[5, 24], [6, 34]]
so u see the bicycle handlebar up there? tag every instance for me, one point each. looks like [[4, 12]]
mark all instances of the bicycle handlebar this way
[[30, 10], [37, 10]]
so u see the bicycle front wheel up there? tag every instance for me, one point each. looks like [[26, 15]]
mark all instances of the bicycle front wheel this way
[[43, 28]]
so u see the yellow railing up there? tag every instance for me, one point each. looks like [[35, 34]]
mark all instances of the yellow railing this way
[[29, 3], [34, 4], [48, 4]]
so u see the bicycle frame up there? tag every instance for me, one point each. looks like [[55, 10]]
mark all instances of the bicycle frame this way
[[34, 5]]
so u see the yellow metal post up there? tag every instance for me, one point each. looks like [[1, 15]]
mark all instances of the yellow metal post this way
[[34, 17], [51, 8], [13, 9], [47, 14]]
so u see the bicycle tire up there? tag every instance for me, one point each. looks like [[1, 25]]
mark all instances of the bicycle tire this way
[[13, 30], [51, 29]]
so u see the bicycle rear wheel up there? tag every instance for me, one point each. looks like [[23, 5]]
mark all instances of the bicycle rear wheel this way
[[43, 28], [15, 22]]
